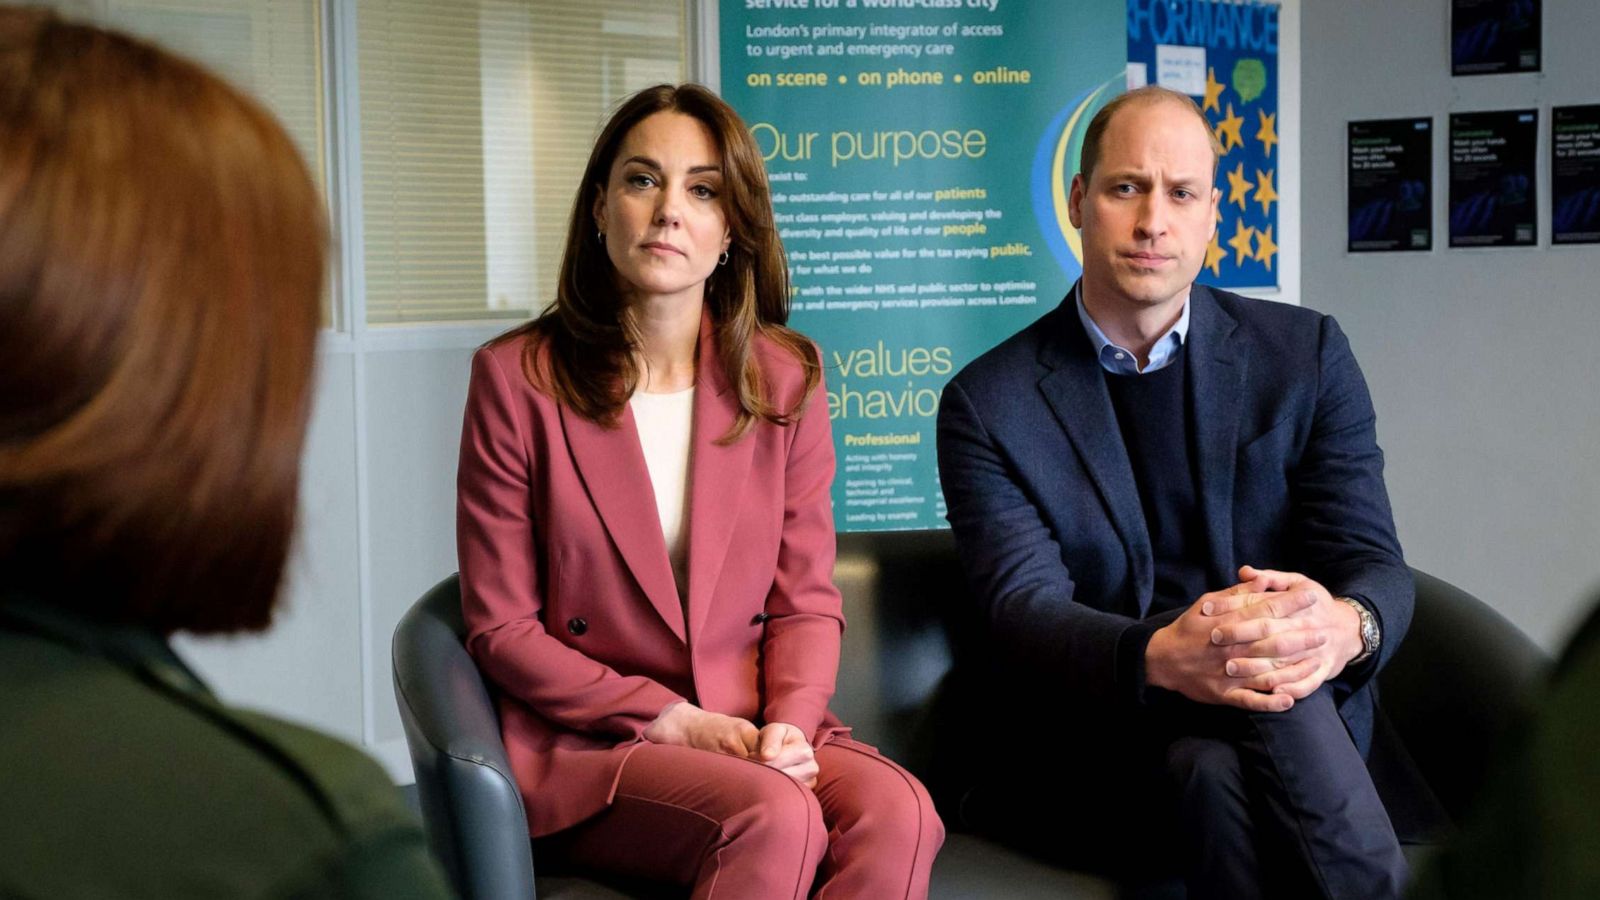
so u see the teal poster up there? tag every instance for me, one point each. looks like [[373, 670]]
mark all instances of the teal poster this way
[[1224, 53], [920, 153]]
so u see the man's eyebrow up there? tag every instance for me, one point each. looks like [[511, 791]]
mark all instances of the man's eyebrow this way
[[1127, 175], [1141, 177]]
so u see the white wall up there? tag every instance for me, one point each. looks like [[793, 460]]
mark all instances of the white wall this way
[[377, 529], [309, 667], [1482, 363]]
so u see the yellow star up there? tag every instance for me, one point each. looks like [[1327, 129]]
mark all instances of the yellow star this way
[[1228, 130], [1265, 248], [1214, 89], [1265, 193], [1240, 242], [1215, 255], [1238, 186], [1267, 134]]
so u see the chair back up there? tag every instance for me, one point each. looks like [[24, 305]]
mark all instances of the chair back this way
[[900, 589]]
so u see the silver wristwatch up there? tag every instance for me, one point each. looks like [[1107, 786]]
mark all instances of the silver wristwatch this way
[[1371, 637]]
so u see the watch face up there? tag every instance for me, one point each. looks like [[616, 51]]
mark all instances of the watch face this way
[[1370, 636]]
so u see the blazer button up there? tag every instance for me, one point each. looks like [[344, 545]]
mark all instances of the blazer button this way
[[577, 625], [760, 619]]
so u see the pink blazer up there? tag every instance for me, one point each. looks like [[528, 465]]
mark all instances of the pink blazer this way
[[568, 593]]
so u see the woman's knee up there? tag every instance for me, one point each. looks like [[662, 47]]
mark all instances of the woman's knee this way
[[915, 818], [887, 809], [777, 811]]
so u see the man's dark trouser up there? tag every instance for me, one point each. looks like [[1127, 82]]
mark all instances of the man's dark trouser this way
[[1241, 805]]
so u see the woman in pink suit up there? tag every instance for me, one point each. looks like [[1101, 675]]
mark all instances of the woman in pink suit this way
[[646, 543]]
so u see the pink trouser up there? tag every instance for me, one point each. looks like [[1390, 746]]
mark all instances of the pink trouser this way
[[733, 828]]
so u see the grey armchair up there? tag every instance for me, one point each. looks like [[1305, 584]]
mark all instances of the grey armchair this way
[[470, 804], [1463, 676]]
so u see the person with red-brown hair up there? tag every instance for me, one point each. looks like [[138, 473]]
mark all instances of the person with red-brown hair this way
[[646, 543], [161, 267]]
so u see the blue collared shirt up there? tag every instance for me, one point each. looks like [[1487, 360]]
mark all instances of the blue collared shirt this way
[[1121, 360]]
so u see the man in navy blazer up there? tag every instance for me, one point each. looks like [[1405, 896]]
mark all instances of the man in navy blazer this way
[[1170, 506]]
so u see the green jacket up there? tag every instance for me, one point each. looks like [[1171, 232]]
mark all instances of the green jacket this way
[[122, 776]]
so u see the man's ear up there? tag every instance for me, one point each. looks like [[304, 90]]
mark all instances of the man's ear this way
[[1216, 202], [1075, 200]]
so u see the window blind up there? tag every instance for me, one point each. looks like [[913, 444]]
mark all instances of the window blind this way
[[269, 48], [477, 117], [272, 49]]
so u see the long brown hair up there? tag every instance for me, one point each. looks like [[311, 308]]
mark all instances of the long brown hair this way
[[590, 365], [161, 268]]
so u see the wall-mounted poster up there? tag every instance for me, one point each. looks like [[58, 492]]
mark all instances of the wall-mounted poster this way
[[1575, 174], [1492, 197], [1390, 169], [920, 158], [1224, 53], [1491, 37]]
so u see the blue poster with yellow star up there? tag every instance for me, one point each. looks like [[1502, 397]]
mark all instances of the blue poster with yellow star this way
[[1225, 55]]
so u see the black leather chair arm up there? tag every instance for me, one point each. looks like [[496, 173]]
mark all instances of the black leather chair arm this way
[[1464, 678], [468, 795]]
